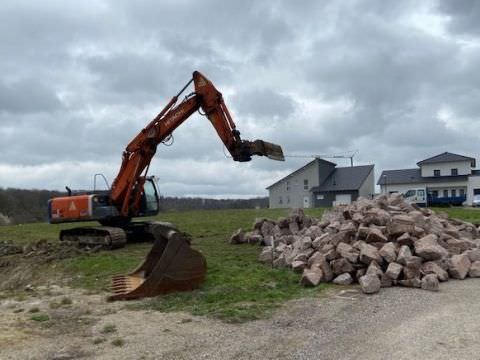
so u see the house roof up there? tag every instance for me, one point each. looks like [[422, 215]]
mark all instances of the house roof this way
[[316, 160], [413, 176], [447, 157], [345, 178]]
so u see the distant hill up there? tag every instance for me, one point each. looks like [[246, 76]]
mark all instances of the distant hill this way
[[25, 206]]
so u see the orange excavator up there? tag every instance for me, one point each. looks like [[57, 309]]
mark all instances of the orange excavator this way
[[171, 264]]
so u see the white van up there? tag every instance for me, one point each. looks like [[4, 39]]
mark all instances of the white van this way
[[417, 196]]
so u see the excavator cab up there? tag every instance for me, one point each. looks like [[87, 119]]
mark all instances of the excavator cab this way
[[149, 201]]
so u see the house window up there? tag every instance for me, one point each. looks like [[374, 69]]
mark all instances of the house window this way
[[454, 172], [320, 197], [435, 193], [436, 172], [280, 200], [476, 191], [445, 193], [288, 185], [462, 192], [288, 199], [454, 192], [305, 184]]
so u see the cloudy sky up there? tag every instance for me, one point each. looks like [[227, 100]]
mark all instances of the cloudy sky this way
[[399, 81]]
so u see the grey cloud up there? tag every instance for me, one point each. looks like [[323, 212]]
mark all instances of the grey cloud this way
[[463, 16], [265, 103], [324, 77], [28, 96]]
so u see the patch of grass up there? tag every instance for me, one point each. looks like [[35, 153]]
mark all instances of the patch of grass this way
[[109, 328], [466, 214], [118, 342], [34, 310], [54, 305], [40, 317], [66, 301], [99, 340]]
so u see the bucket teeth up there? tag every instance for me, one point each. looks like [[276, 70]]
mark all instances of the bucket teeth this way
[[119, 281]]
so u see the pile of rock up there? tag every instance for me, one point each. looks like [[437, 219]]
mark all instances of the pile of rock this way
[[377, 243]]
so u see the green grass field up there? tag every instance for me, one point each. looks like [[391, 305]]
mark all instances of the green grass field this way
[[238, 287], [467, 214]]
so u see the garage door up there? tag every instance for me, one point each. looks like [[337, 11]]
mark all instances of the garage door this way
[[343, 199]]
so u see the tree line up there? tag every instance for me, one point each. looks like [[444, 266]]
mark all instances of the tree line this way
[[19, 206]]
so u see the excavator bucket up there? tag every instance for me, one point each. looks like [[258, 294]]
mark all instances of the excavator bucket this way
[[171, 265], [273, 151], [264, 148]]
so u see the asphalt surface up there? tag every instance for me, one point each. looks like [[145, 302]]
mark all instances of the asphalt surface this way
[[397, 323]]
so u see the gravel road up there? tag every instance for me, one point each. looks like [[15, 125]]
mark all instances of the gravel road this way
[[397, 323]]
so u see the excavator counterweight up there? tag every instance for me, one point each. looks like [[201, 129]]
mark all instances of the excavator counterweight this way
[[171, 264]]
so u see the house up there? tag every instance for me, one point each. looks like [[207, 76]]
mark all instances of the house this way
[[321, 183], [442, 176]]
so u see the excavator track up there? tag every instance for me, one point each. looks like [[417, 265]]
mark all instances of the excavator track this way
[[106, 236]]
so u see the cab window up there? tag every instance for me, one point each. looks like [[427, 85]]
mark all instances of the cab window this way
[[150, 197]]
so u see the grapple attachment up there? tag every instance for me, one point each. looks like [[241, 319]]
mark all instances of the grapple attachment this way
[[171, 265], [270, 150]]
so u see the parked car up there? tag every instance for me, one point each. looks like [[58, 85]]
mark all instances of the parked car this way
[[476, 201]]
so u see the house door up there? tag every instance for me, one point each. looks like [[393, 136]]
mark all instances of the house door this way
[[306, 202]]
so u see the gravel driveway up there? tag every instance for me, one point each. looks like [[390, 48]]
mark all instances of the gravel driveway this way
[[397, 323]]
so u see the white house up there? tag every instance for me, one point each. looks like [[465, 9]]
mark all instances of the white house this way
[[444, 175]]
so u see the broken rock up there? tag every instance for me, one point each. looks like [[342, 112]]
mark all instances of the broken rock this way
[[343, 279], [341, 266], [368, 253], [431, 267], [428, 248], [311, 277], [238, 237], [375, 235], [430, 282], [474, 269], [403, 254], [370, 284], [394, 270], [459, 266], [388, 252]]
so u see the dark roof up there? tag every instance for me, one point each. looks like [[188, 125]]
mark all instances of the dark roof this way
[[413, 176], [403, 176], [345, 178], [300, 169], [446, 157]]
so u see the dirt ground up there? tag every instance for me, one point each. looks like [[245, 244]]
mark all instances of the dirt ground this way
[[397, 323]]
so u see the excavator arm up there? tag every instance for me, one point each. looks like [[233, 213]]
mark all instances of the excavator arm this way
[[128, 185]]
